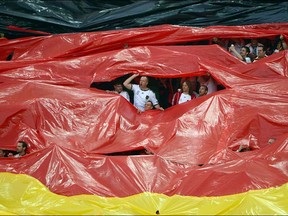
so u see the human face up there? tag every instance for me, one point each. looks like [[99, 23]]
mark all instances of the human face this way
[[243, 52], [185, 87], [261, 52], [254, 42], [215, 40], [143, 82], [148, 105], [118, 88], [202, 91], [19, 147]]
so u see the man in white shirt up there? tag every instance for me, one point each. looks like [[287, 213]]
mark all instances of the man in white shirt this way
[[119, 90], [142, 93], [21, 149]]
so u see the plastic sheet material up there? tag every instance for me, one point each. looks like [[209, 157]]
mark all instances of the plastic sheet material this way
[[39, 200], [73, 130], [79, 16], [80, 59]]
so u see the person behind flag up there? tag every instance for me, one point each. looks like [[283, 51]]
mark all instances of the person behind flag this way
[[203, 90], [184, 94], [142, 93], [21, 149], [118, 89]]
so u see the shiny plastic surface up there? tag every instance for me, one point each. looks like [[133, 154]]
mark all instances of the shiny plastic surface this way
[[86, 15], [45, 100], [27, 196]]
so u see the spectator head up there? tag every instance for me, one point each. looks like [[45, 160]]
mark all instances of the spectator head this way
[[203, 90], [215, 40], [236, 40], [1, 153], [192, 80], [21, 147], [143, 83], [254, 42], [203, 79], [244, 51], [149, 105], [271, 140], [187, 87], [118, 87], [261, 51]]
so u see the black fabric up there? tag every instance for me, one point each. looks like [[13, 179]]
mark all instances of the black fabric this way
[[86, 15]]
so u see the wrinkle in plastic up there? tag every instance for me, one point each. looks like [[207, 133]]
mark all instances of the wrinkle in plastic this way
[[37, 17], [39, 200], [45, 100]]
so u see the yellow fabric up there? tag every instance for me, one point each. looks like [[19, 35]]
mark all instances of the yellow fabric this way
[[22, 194]]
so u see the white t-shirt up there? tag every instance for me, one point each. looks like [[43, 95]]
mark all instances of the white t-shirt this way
[[247, 60], [142, 96], [125, 95], [184, 98], [17, 155]]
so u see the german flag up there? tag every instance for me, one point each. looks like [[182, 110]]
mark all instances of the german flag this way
[[91, 151]]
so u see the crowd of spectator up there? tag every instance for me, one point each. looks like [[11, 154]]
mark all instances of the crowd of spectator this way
[[253, 49], [147, 93], [21, 150], [165, 92]]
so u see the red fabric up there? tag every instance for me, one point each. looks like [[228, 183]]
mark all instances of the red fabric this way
[[176, 98], [45, 100], [16, 28], [193, 96]]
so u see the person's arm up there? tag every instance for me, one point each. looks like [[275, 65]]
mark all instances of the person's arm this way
[[10, 155], [109, 91], [232, 49], [240, 148], [127, 82], [155, 101], [158, 107]]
